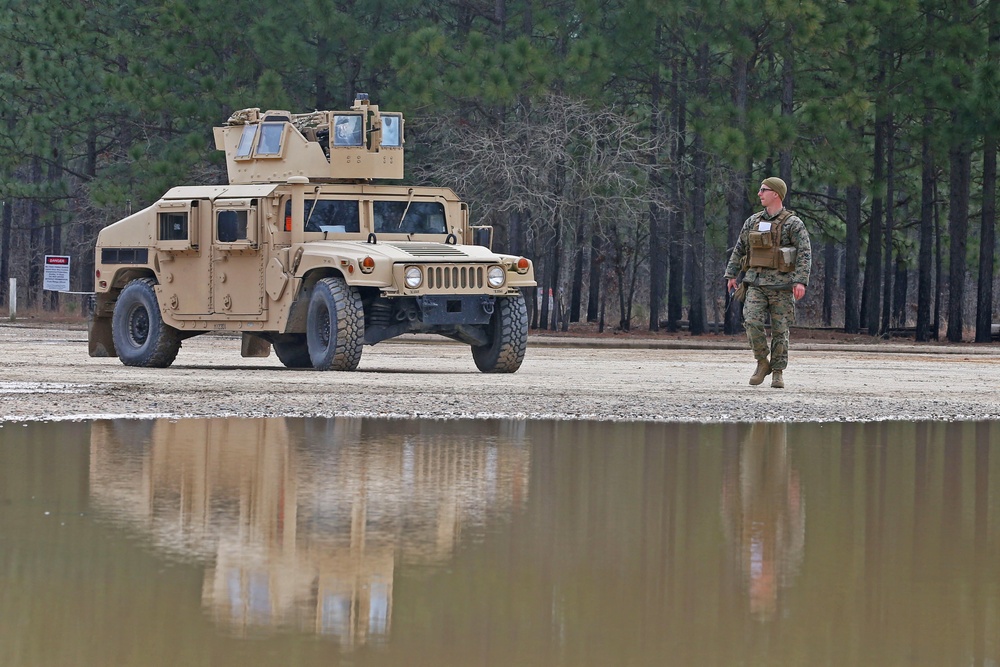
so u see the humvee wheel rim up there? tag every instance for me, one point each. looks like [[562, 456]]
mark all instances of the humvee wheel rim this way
[[324, 327], [138, 325]]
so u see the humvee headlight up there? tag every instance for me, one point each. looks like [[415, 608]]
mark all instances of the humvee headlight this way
[[523, 265], [495, 276], [367, 264], [413, 277]]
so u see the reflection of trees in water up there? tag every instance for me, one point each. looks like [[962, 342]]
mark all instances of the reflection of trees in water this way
[[304, 520], [763, 515]]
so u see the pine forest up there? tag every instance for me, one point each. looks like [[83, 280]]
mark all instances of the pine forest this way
[[618, 144]]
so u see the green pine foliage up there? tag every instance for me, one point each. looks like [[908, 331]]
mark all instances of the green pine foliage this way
[[104, 105]]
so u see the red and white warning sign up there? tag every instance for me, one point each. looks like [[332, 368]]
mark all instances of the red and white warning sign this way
[[56, 273]]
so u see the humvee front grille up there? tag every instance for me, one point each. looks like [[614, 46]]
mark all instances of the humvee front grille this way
[[455, 278]]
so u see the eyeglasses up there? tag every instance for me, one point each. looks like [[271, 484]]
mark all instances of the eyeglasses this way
[[765, 190]]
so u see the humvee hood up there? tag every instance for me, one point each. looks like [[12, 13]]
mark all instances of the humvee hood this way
[[405, 251]]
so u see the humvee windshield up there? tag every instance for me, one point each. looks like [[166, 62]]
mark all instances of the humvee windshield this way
[[324, 214], [341, 215], [421, 217]]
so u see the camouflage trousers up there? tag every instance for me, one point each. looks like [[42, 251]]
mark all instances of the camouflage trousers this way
[[780, 304]]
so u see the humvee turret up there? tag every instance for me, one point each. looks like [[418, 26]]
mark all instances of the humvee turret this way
[[302, 251]]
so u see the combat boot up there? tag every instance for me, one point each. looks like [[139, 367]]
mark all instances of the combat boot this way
[[763, 370], [777, 381]]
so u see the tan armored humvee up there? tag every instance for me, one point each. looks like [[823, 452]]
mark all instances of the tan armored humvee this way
[[301, 251]]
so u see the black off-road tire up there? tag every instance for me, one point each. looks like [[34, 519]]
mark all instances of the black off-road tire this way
[[293, 351], [335, 326], [508, 331], [141, 336]]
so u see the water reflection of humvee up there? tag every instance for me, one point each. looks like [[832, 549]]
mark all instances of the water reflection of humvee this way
[[303, 252], [302, 523]]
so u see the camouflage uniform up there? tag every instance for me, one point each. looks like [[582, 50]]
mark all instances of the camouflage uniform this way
[[770, 290]]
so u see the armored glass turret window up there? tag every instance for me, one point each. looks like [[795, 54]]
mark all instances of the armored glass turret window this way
[[246, 141], [270, 139], [347, 130], [391, 125]]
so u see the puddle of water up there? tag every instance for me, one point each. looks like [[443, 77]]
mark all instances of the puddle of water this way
[[405, 542]]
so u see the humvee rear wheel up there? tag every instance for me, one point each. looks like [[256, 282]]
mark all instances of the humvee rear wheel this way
[[335, 326], [508, 332], [293, 351], [141, 336]]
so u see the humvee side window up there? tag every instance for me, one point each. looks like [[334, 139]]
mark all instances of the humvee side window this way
[[390, 130], [231, 226], [270, 138], [173, 226], [329, 215], [246, 141], [347, 130], [421, 217]]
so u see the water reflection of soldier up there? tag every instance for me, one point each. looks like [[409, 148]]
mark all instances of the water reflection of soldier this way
[[347, 131], [390, 131], [764, 516]]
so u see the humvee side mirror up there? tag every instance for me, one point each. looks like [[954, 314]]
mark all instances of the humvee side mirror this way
[[483, 236]]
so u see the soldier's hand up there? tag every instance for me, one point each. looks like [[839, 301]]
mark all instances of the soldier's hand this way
[[798, 291], [731, 284]]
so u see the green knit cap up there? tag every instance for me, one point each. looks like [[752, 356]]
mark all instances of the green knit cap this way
[[777, 185]]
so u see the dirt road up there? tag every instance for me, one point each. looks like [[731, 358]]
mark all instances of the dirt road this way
[[45, 373]]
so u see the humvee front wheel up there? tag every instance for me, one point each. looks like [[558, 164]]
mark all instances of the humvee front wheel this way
[[141, 336], [508, 332], [335, 326]]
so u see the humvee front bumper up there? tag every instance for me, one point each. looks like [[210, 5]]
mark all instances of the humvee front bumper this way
[[456, 309]]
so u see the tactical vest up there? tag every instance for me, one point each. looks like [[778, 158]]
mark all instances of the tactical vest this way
[[765, 247]]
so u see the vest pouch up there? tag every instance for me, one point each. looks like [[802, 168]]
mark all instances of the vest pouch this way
[[762, 250], [786, 258], [760, 239]]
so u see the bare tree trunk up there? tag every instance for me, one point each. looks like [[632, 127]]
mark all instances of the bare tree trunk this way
[[787, 99], [829, 279], [890, 200], [7, 220], [699, 172], [987, 234], [987, 243], [873, 259], [899, 289], [675, 284], [543, 308], [938, 269], [736, 192], [737, 215], [852, 323], [594, 283], [657, 259], [554, 276], [958, 231], [829, 266], [576, 296], [34, 259], [925, 252]]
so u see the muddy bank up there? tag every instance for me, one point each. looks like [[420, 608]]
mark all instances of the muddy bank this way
[[45, 373]]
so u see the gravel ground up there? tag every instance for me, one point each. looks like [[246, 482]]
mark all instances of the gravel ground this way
[[45, 373]]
